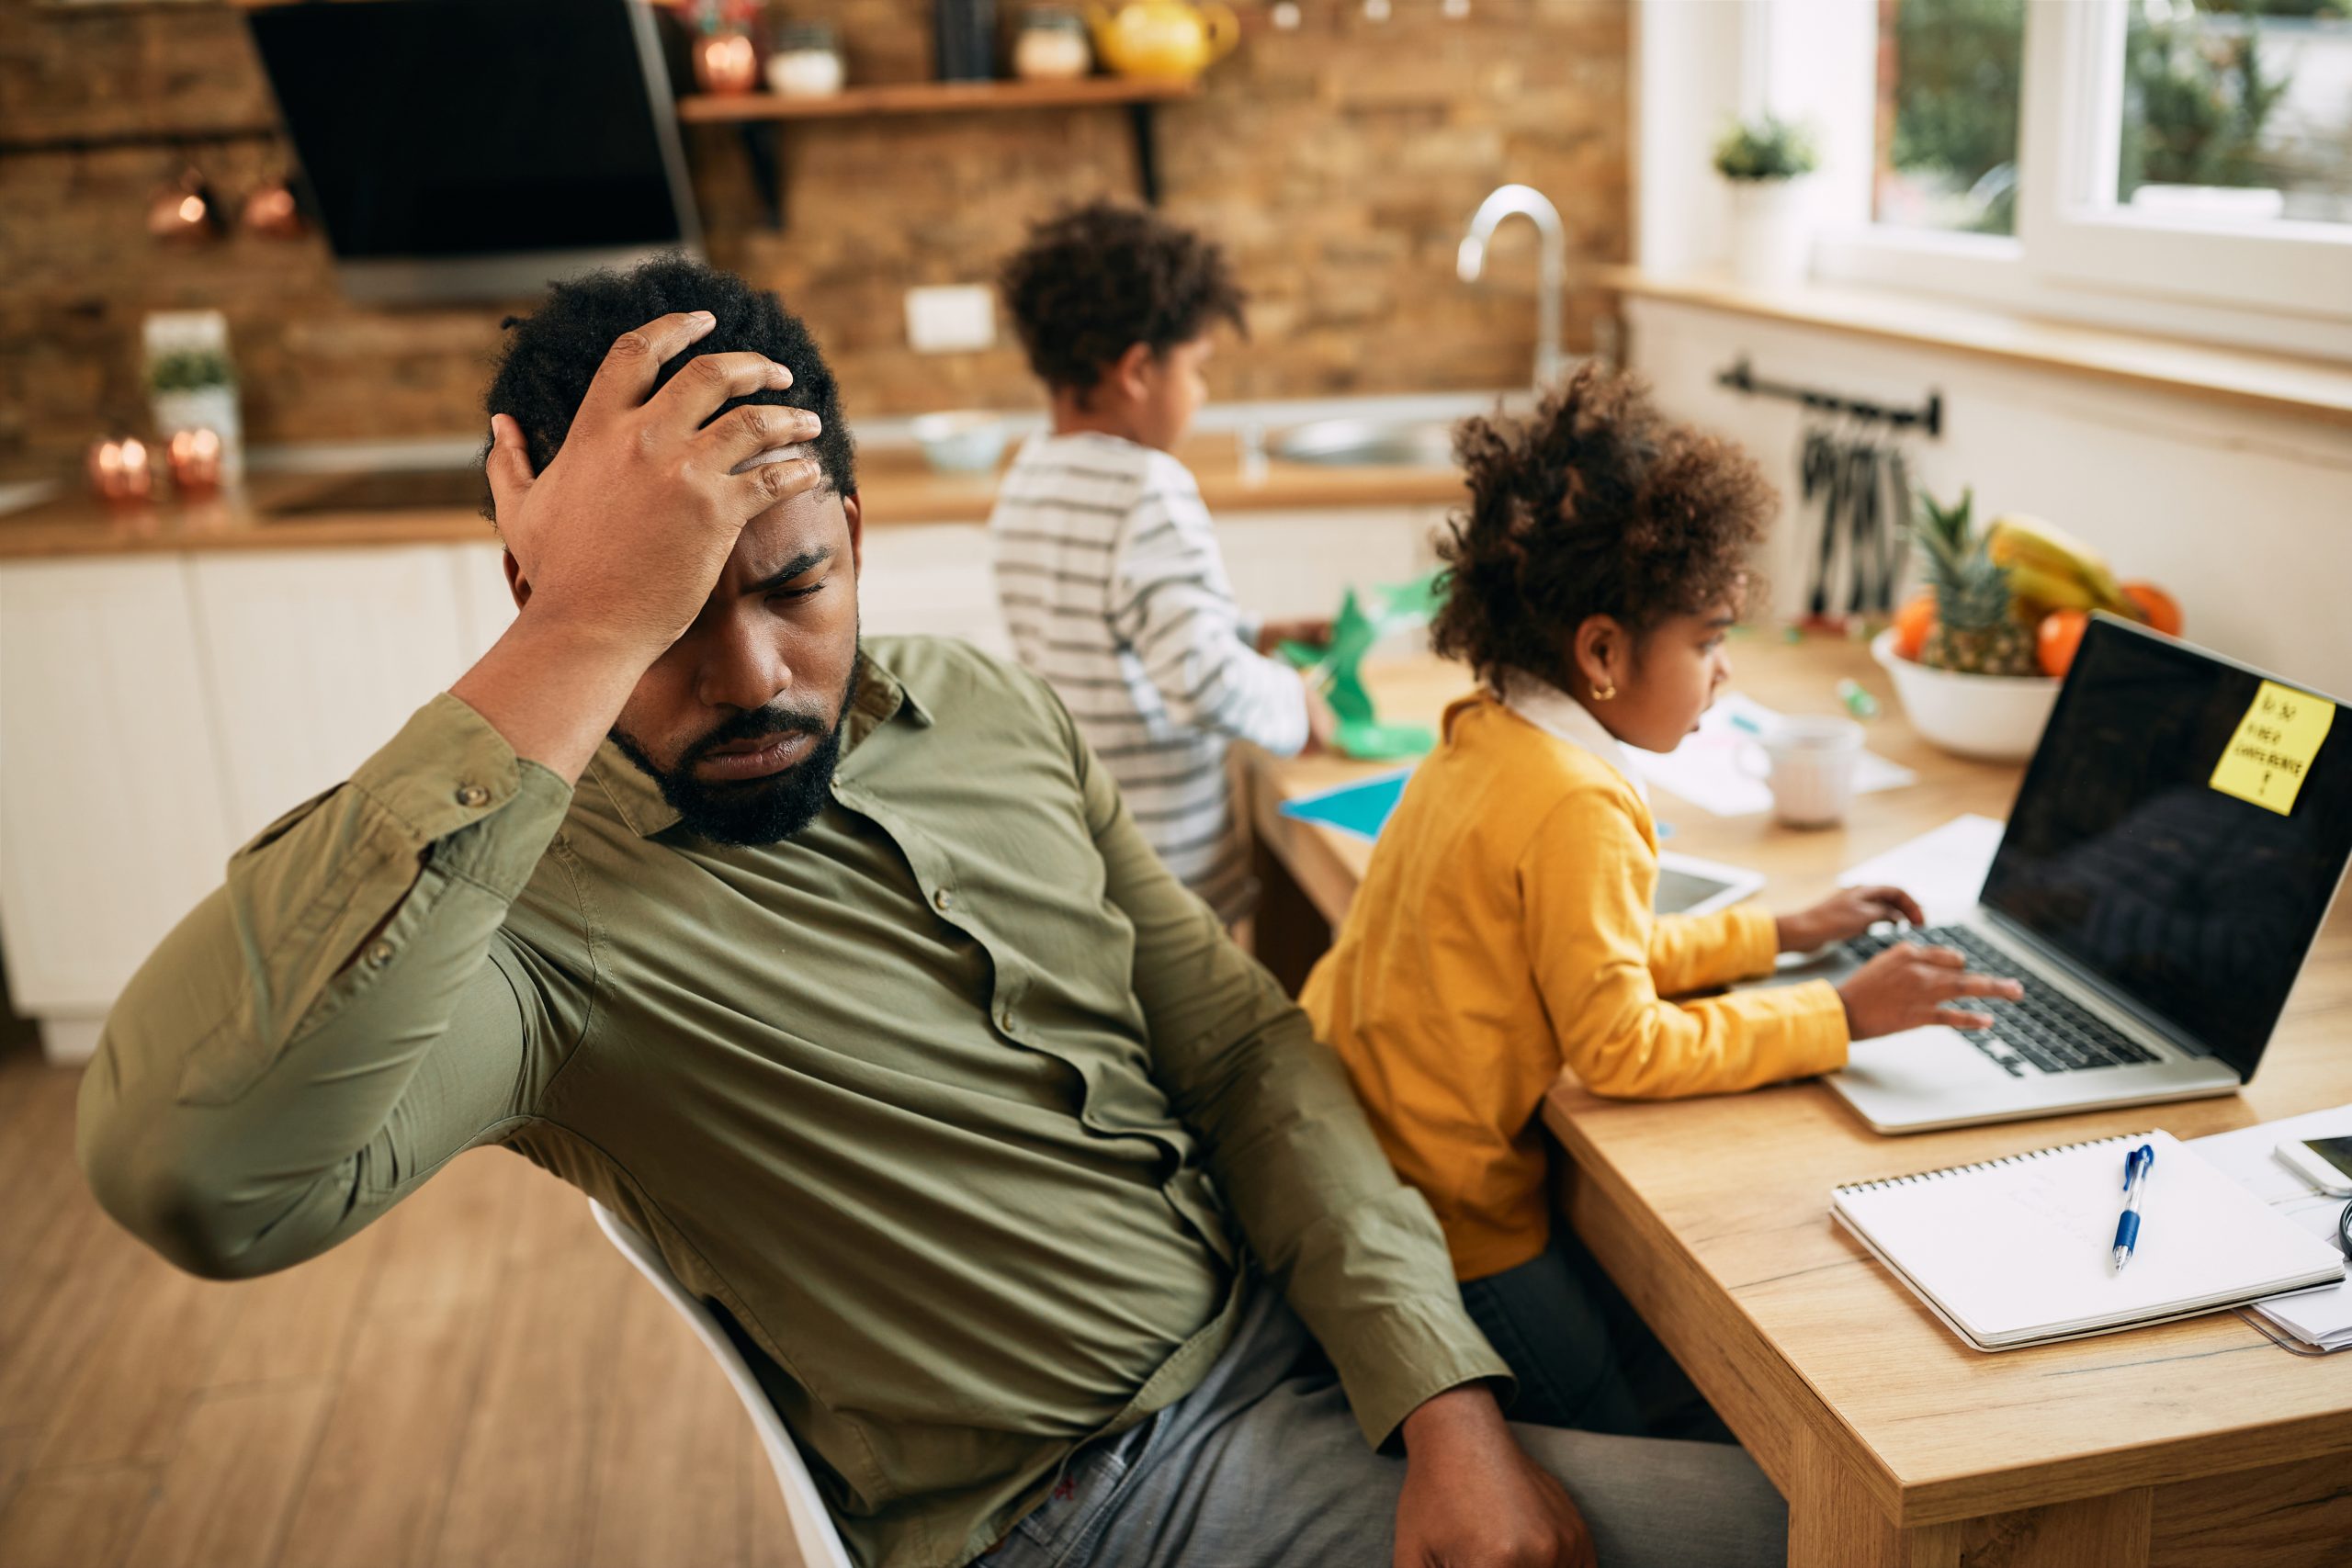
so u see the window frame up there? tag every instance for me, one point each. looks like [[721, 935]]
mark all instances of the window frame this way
[[2069, 230], [2278, 284]]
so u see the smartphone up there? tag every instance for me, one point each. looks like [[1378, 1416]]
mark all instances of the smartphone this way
[[2326, 1162]]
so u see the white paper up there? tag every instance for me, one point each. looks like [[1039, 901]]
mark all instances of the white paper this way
[[1706, 770], [2248, 1156], [1944, 869]]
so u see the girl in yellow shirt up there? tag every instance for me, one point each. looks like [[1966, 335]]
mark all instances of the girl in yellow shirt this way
[[1504, 929]]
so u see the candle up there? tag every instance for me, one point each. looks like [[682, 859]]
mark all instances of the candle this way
[[195, 457], [122, 469]]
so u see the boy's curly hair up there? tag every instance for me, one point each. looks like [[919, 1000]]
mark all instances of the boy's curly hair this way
[[552, 354], [1095, 281], [1595, 504]]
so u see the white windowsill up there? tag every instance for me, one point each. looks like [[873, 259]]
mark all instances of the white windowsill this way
[[2272, 383]]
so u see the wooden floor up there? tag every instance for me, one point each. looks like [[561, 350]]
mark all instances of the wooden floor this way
[[477, 1380]]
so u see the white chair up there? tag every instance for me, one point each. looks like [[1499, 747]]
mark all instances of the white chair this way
[[812, 1527]]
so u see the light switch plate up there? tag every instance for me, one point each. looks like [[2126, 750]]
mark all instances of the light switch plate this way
[[952, 319]]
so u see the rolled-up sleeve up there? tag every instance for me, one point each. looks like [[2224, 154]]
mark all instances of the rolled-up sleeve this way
[[1357, 1253], [343, 1015]]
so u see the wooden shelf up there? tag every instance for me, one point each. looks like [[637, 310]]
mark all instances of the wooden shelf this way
[[760, 117], [934, 97]]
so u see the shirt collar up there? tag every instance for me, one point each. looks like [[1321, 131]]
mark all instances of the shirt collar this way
[[1555, 713], [881, 697]]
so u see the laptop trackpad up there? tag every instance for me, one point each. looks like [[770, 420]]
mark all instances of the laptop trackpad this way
[[1920, 1063]]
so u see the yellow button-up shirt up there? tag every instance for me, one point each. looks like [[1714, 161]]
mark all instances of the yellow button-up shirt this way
[[1504, 932]]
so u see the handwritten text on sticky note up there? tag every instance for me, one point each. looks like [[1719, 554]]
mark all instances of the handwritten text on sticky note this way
[[2267, 759]]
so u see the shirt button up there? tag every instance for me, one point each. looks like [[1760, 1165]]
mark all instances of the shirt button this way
[[944, 898], [472, 795], [1004, 1021], [379, 953]]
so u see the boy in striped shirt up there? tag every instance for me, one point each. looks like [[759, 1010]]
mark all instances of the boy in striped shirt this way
[[1107, 564]]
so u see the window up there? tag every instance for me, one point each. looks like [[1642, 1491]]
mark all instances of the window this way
[[2237, 107], [2197, 150], [2180, 163], [1949, 91]]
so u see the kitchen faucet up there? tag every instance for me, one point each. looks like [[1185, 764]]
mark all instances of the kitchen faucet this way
[[1532, 204]]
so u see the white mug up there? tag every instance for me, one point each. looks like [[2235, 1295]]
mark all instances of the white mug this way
[[1809, 763]]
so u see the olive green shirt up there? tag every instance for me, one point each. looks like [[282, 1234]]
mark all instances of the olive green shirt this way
[[951, 1099]]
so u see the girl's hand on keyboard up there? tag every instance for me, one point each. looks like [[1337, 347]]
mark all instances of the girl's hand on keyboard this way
[[1907, 987], [1848, 912]]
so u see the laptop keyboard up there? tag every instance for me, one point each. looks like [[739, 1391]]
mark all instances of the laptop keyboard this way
[[2045, 1030]]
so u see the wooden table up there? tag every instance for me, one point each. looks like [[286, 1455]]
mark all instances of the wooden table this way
[[2188, 1444]]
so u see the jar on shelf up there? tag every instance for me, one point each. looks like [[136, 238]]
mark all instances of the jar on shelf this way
[[806, 61], [725, 59], [1051, 45]]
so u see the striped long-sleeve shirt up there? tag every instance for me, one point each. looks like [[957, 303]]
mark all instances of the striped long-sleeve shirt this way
[[1115, 591]]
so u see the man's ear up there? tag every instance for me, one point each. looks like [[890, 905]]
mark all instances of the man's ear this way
[[855, 513], [516, 583]]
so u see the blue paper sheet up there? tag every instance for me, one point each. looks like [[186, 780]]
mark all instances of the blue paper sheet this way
[[1359, 809]]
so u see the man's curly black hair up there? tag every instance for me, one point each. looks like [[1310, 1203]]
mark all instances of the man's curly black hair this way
[[1093, 282], [1597, 504], [552, 354]]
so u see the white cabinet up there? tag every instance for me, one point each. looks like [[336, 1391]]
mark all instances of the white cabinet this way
[[931, 579], [485, 604], [157, 711], [1294, 565], [936, 578], [315, 658], [111, 817]]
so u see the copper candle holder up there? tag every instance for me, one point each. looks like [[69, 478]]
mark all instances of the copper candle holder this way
[[726, 63], [122, 469], [195, 457]]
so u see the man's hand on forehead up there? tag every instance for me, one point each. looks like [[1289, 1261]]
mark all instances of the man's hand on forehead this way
[[627, 530]]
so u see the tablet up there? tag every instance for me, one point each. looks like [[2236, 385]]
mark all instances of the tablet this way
[[1688, 886]]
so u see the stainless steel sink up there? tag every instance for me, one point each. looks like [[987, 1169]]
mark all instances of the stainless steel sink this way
[[1367, 443]]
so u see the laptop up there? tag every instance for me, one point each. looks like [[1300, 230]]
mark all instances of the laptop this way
[[2157, 920]]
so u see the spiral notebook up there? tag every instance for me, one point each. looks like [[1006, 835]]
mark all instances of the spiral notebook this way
[[2016, 1251]]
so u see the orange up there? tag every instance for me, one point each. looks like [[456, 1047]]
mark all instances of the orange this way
[[1914, 624], [2156, 607], [2059, 635]]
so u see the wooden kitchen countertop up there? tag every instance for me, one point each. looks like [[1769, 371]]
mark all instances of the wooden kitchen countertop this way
[[897, 487]]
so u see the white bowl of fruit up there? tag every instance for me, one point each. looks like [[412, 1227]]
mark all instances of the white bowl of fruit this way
[[1978, 655]]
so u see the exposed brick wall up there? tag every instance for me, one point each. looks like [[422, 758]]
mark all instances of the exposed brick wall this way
[[1338, 161]]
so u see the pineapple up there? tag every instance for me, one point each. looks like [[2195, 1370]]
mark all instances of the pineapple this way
[[1976, 633]]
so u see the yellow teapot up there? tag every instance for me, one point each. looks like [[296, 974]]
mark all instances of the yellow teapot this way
[[1163, 38]]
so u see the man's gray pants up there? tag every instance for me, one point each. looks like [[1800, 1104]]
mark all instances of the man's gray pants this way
[[1262, 1465]]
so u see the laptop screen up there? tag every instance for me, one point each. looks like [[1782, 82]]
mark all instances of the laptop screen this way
[[2126, 852]]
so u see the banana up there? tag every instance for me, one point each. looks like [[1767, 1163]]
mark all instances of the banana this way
[[2045, 591], [2017, 540]]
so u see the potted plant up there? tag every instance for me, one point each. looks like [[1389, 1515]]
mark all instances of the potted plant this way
[[196, 388], [1766, 161]]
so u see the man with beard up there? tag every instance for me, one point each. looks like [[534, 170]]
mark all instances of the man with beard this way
[[843, 973]]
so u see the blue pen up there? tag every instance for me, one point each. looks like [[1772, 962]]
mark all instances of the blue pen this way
[[2136, 1167]]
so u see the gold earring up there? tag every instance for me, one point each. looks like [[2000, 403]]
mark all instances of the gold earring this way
[[1604, 694]]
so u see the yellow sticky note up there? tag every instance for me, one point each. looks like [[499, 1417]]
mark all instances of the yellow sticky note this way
[[2267, 759]]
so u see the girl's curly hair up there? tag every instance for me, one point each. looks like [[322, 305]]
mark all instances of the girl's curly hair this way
[[1595, 504]]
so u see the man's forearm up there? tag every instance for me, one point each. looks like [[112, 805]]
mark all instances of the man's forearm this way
[[552, 685]]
